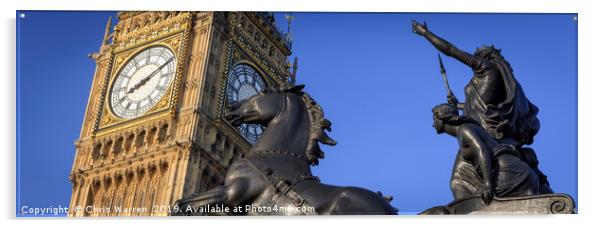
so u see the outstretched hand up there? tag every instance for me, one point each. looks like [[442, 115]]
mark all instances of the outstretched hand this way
[[418, 28]]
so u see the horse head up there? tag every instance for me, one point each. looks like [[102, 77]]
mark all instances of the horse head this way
[[260, 108], [269, 104]]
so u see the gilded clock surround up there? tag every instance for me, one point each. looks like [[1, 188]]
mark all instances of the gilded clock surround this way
[[234, 57], [176, 40], [242, 49], [147, 64]]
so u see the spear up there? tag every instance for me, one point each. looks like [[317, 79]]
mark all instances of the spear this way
[[450, 94]]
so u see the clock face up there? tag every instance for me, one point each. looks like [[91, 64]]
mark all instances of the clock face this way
[[244, 82], [142, 82]]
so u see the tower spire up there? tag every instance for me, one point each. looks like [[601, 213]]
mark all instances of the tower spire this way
[[107, 35], [294, 73], [289, 19]]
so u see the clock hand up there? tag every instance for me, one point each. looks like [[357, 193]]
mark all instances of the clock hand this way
[[151, 75], [147, 78]]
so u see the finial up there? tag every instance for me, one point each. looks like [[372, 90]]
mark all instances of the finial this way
[[294, 74], [289, 36], [105, 40]]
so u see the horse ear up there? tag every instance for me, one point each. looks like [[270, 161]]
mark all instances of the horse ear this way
[[296, 89]]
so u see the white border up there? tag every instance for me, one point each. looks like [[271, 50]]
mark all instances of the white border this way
[[590, 87]]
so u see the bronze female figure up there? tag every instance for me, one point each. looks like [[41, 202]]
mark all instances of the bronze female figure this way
[[495, 101]]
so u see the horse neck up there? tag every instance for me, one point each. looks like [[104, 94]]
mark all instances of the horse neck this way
[[288, 131]]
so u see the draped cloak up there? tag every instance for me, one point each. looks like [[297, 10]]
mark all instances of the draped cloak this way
[[514, 117]]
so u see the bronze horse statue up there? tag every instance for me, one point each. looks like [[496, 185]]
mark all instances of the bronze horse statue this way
[[274, 177]]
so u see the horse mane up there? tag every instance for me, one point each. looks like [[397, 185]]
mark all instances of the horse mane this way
[[317, 124]]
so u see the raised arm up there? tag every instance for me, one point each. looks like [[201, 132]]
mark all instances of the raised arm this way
[[444, 46]]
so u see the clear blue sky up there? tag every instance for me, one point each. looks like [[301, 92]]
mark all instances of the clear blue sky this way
[[375, 79]]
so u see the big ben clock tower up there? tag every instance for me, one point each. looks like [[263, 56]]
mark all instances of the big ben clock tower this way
[[153, 130]]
